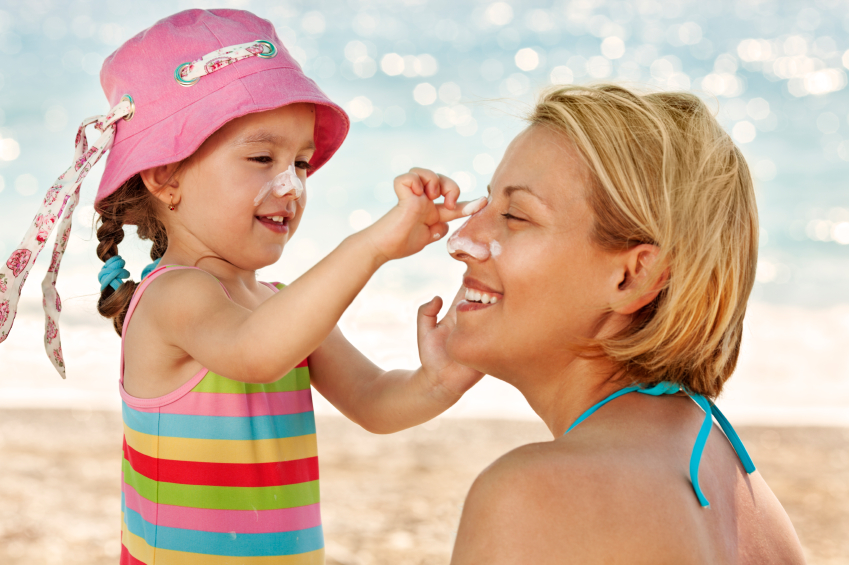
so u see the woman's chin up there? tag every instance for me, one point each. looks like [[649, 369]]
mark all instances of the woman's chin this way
[[466, 350]]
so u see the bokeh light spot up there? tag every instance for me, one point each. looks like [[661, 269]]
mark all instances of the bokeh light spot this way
[[26, 184], [527, 59], [561, 75], [359, 219], [613, 48], [499, 13], [424, 94], [744, 132], [483, 163]]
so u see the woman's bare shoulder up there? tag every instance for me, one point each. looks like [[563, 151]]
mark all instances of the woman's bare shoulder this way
[[553, 503]]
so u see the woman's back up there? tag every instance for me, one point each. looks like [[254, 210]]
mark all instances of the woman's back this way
[[617, 490]]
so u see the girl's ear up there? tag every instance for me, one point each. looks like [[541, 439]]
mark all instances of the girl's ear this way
[[161, 181], [640, 278]]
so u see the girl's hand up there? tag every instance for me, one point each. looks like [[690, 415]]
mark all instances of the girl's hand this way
[[441, 371], [417, 220]]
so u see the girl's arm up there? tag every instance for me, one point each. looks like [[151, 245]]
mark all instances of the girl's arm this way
[[192, 312], [388, 401]]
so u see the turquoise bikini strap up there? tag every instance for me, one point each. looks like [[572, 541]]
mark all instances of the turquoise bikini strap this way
[[699, 447], [734, 439], [590, 412], [710, 410]]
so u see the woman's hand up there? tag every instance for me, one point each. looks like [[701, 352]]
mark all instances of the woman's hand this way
[[417, 220], [442, 372]]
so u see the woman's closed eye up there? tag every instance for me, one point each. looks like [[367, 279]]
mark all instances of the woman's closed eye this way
[[508, 216]]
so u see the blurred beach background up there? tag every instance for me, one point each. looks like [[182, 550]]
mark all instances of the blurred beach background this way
[[440, 84]]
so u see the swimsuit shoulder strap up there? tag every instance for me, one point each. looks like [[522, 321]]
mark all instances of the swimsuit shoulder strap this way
[[146, 282], [710, 410], [275, 286]]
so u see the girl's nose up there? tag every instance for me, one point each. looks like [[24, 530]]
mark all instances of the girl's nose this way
[[463, 245]]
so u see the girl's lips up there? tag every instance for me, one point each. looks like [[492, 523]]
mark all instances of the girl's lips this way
[[277, 227]]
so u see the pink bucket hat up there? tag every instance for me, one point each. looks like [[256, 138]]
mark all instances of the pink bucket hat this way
[[170, 87], [172, 120]]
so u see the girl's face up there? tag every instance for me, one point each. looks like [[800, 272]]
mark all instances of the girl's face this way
[[530, 248], [219, 183]]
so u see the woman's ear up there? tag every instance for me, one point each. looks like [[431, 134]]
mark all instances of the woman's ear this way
[[162, 182], [640, 278]]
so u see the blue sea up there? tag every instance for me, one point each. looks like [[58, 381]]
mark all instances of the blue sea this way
[[444, 84]]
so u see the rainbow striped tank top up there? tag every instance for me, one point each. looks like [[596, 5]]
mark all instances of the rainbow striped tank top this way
[[221, 472]]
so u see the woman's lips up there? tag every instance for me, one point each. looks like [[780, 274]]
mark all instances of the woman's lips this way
[[478, 296], [466, 306], [275, 226]]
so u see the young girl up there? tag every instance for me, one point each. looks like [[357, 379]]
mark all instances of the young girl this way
[[213, 132]]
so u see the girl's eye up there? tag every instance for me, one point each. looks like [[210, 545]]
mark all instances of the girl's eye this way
[[303, 165], [509, 216], [260, 159]]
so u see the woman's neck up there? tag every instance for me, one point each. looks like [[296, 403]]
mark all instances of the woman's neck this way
[[560, 393]]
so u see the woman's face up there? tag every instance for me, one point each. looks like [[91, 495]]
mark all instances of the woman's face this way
[[220, 182], [552, 284]]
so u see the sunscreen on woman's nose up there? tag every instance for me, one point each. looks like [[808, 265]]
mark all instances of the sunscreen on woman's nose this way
[[282, 184], [459, 243]]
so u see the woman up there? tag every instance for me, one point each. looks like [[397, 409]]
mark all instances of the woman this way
[[607, 280]]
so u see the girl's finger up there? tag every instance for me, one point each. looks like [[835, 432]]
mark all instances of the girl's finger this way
[[438, 231], [430, 180], [462, 209], [426, 319], [450, 319], [450, 190], [407, 184]]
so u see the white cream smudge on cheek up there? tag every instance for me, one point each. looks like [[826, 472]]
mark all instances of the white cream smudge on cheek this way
[[495, 248], [282, 184]]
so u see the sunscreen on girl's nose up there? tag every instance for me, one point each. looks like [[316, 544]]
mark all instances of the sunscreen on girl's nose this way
[[459, 243], [282, 184]]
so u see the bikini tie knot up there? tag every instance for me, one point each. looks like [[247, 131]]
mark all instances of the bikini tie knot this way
[[112, 273], [661, 388]]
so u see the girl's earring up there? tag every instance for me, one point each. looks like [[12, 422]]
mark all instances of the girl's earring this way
[[171, 203]]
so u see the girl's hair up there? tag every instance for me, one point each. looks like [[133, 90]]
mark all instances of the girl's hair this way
[[132, 203], [665, 172]]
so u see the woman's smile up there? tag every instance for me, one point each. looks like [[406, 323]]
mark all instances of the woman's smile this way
[[478, 296]]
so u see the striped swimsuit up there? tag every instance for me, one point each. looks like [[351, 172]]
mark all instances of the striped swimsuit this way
[[220, 472]]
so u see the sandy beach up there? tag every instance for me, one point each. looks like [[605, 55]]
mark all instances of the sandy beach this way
[[385, 499]]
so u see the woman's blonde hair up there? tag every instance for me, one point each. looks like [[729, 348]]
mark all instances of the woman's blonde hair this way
[[665, 172]]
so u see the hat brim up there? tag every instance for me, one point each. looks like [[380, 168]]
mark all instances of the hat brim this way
[[178, 136]]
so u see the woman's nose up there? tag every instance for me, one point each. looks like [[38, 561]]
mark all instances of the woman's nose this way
[[465, 244]]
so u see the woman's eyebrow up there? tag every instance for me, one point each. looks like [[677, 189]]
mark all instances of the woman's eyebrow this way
[[509, 190]]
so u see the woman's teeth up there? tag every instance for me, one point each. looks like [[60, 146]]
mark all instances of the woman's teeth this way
[[277, 219], [475, 296]]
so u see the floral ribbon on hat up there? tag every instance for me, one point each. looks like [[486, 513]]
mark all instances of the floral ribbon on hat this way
[[188, 74], [57, 208]]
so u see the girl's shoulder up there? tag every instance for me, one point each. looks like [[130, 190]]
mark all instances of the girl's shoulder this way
[[177, 294]]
